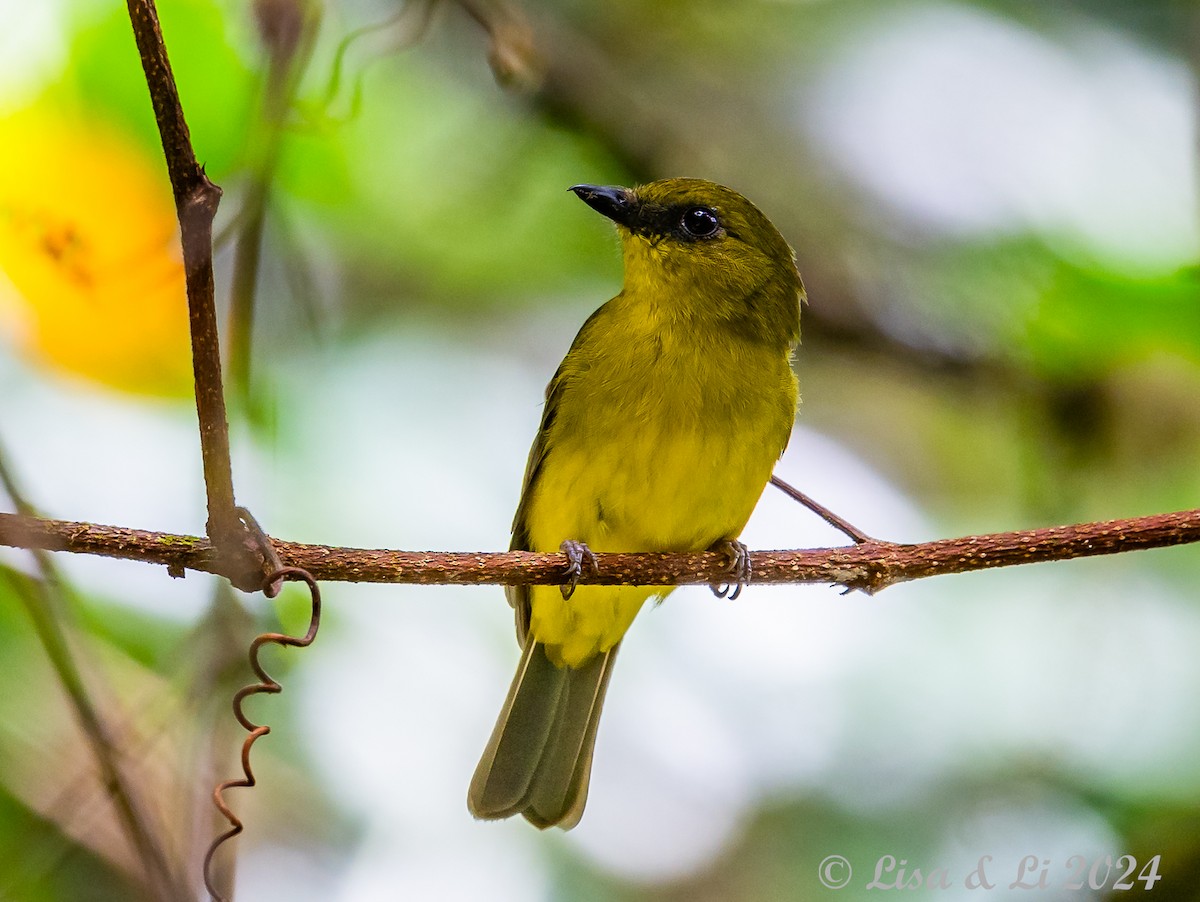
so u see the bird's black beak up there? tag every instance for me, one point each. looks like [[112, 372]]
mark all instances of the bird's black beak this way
[[618, 204]]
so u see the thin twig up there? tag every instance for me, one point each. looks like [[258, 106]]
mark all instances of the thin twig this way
[[512, 53], [409, 24], [869, 566], [196, 200], [286, 31], [855, 534]]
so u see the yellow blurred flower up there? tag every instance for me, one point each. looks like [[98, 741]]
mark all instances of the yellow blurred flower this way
[[91, 280]]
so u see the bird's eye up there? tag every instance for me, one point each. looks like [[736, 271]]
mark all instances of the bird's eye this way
[[700, 222]]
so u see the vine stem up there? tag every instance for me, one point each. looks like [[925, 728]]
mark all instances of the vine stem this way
[[196, 200], [870, 566]]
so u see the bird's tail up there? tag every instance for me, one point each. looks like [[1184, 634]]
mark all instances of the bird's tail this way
[[539, 759]]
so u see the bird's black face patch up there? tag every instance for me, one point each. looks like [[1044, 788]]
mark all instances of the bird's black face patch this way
[[655, 221], [682, 222]]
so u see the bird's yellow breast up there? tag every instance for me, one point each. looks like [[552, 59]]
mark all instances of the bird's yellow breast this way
[[661, 440]]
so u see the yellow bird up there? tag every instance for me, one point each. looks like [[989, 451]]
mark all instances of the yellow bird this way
[[660, 431]]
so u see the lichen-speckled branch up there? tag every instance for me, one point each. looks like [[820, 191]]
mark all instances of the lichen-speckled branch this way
[[869, 566]]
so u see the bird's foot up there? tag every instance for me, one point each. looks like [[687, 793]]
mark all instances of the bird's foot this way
[[739, 568], [577, 554]]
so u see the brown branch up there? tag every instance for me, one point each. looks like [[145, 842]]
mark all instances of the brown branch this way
[[196, 200], [869, 566]]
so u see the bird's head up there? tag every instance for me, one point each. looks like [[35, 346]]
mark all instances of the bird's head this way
[[705, 252]]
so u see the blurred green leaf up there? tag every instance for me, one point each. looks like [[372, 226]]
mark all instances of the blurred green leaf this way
[[206, 50], [1087, 322]]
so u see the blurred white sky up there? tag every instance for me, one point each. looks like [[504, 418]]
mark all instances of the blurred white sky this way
[[31, 48], [973, 123]]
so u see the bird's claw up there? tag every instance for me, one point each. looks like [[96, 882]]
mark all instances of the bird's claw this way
[[577, 553], [739, 569]]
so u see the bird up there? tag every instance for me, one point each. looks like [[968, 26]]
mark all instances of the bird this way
[[659, 433]]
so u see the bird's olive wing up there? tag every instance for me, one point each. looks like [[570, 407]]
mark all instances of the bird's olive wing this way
[[518, 596]]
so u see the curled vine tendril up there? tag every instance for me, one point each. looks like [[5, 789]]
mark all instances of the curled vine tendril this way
[[266, 685]]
